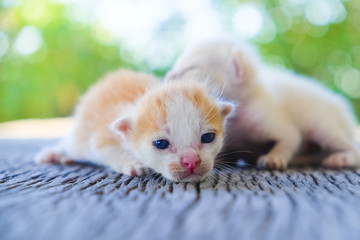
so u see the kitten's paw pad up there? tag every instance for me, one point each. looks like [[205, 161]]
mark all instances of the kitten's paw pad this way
[[341, 160], [53, 157], [134, 169], [272, 162]]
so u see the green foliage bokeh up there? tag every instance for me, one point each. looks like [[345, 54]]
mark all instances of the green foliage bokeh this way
[[49, 82]]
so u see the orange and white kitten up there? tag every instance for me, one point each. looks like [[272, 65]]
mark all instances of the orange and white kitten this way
[[276, 106], [134, 123]]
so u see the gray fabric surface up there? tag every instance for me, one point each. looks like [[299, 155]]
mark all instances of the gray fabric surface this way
[[92, 202]]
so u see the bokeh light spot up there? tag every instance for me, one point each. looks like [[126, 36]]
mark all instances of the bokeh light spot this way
[[248, 20], [339, 72], [268, 32], [28, 41], [202, 26], [350, 83], [318, 12], [323, 12]]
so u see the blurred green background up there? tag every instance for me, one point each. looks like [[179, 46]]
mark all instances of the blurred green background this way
[[52, 50]]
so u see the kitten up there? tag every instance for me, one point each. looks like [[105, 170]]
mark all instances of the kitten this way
[[276, 106], [133, 123]]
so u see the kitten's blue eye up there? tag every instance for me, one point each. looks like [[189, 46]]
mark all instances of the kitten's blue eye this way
[[161, 144], [208, 137]]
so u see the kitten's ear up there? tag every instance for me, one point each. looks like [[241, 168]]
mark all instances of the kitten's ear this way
[[244, 68], [122, 126], [226, 109]]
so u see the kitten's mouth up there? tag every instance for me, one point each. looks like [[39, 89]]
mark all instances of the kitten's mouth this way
[[188, 176]]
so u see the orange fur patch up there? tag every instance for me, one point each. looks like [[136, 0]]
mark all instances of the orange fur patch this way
[[100, 106], [153, 114], [107, 140], [209, 110]]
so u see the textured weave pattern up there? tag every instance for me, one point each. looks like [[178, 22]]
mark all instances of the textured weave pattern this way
[[92, 202]]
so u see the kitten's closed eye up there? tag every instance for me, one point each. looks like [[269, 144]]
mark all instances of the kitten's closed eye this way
[[161, 144], [208, 137]]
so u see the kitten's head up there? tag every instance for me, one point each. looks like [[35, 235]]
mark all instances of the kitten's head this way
[[178, 130], [226, 63]]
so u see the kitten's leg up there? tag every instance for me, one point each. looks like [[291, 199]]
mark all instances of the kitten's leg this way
[[281, 153], [346, 158], [53, 154], [121, 159], [345, 152]]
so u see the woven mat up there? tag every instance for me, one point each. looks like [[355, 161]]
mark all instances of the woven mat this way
[[93, 202]]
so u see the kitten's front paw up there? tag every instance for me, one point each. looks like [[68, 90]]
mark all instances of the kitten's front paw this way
[[133, 169], [272, 162], [342, 160], [49, 155]]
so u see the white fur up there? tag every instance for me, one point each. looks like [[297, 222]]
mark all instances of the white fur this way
[[276, 105]]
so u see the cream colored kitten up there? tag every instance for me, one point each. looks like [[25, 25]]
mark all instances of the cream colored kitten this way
[[133, 123], [275, 105]]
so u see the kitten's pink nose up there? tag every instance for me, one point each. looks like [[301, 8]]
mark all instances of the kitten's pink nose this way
[[190, 162]]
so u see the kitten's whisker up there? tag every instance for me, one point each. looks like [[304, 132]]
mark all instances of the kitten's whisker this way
[[219, 173], [222, 163], [222, 90], [229, 153]]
